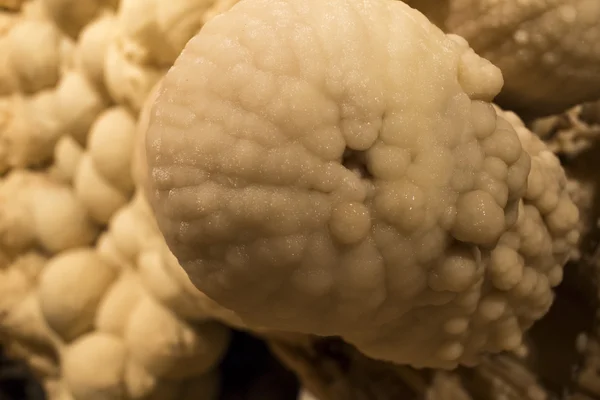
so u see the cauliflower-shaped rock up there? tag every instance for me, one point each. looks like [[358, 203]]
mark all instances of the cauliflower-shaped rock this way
[[336, 168]]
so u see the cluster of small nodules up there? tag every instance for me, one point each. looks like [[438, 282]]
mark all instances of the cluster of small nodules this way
[[523, 280], [350, 221], [105, 322], [553, 203], [500, 320], [522, 270], [491, 182], [492, 325]]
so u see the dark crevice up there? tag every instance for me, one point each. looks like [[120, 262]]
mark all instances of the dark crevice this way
[[555, 356], [251, 372], [17, 381], [355, 161]]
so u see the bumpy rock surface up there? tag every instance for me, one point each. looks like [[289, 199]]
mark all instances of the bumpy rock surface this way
[[313, 173]]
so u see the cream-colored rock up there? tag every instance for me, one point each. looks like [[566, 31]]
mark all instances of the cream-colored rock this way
[[34, 48], [4, 259], [218, 7], [67, 155], [72, 15], [193, 349], [67, 55], [141, 384], [34, 10], [100, 198], [56, 389], [93, 367], [25, 323], [29, 128], [9, 82], [118, 303], [167, 281], [71, 287], [138, 162], [299, 189], [110, 146], [43, 364], [43, 115], [14, 287], [7, 21], [108, 250], [54, 209], [180, 20], [30, 264], [141, 39], [16, 230], [82, 301], [36, 209], [306, 395], [128, 82], [111, 4], [92, 45], [79, 104], [132, 229], [158, 280]]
